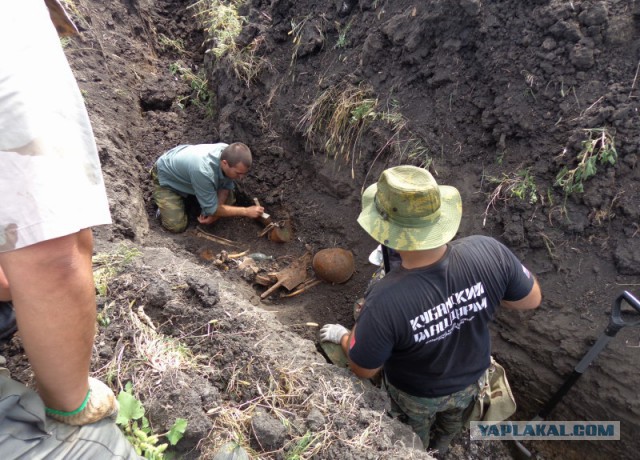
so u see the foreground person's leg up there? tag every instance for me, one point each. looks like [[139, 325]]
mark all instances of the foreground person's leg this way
[[54, 298]]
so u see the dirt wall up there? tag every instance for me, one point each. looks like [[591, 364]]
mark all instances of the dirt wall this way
[[491, 89]]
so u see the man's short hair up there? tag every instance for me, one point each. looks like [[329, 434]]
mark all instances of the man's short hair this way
[[237, 153]]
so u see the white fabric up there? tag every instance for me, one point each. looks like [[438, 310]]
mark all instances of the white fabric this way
[[51, 183]]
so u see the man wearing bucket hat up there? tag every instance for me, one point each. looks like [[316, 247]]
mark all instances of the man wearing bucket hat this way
[[426, 322]]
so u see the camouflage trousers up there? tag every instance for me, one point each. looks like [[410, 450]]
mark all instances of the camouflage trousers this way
[[171, 205], [437, 420], [173, 215]]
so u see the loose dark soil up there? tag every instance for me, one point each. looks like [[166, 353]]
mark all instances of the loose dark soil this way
[[488, 89]]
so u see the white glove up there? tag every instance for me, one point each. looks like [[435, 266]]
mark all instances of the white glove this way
[[333, 333]]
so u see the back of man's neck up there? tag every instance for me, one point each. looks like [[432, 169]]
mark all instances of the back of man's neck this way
[[424, 258]]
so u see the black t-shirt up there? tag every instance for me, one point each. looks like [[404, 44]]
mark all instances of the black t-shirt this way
[[429, 326]]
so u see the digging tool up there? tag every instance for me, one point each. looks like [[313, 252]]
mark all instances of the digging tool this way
[[280, 232], [617, 321], [265, 219], [307, 284], [292, 276]]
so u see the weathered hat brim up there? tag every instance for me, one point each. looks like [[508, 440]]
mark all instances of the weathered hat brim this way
[[402, 238]]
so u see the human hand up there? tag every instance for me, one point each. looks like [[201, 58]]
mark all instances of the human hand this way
[[102, 403], [254, 211], [333, 333], [206, 220]]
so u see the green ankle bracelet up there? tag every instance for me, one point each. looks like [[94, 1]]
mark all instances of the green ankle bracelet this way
[[73, 412]]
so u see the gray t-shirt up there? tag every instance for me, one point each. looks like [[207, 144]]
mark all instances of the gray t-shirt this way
[[429, 326], [195, 170]]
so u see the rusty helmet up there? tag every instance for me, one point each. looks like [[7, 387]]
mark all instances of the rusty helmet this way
[[334, 265]]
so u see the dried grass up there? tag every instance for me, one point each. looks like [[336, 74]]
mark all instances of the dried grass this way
[[342, 114], [149, 357]]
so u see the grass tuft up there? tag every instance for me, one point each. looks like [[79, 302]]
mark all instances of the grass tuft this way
[[147, 357], [223, 24], [108, 265], [172, 44], [519, 185], [598, 148], [342, 114], [200, 95]]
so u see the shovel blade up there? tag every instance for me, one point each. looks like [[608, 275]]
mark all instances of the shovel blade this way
[[335, 354]]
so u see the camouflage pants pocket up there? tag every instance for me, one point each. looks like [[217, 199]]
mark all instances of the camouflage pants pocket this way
[[173, 215]]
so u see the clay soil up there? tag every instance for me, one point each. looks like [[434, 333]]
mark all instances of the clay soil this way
[[486, 92]]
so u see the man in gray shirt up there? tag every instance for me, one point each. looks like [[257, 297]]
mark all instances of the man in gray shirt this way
[[208, 172]]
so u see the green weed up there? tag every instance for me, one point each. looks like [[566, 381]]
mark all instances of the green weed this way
[[404, 144], [222, 23], [172, 44], [342, 35], [519, 185], [138, 431], [103, 315], [108, 265], [302, 445], [393, 116], [200, 95], [415, 150], [599, 148], [524, 188], [65, 41]]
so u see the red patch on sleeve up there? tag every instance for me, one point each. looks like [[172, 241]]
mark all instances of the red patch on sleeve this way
[[352, 341]]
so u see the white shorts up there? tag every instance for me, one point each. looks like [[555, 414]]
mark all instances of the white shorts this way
[[51, 183]]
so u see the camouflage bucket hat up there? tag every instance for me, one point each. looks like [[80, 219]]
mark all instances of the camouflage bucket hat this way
[[407, 210]]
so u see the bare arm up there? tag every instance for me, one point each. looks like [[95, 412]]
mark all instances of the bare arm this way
[[359, 371], [225, 210], [529, 302]]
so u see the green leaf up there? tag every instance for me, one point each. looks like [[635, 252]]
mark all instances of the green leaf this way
[[177, 431], [130, 408]]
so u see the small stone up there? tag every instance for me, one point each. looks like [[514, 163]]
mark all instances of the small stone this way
[[268, 431], [315, 420], [582, 57]]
